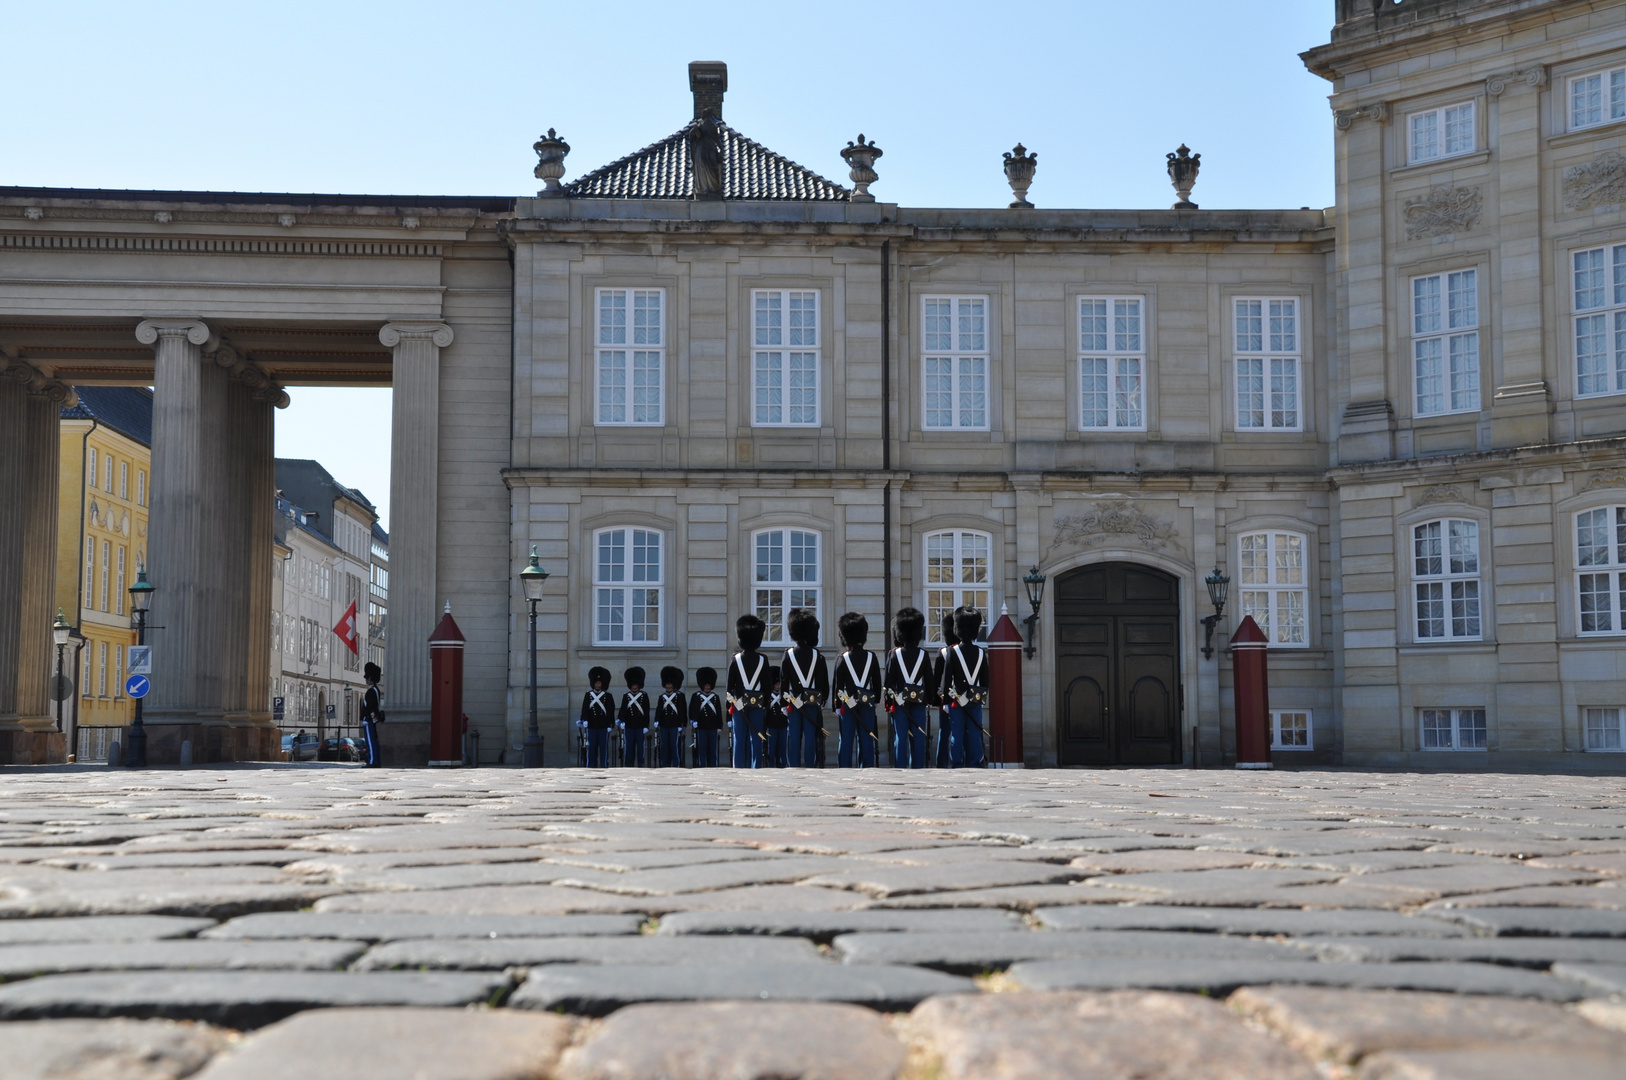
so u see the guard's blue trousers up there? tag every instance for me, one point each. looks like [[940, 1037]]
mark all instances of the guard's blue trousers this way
[[370, 730], [909, 737], [598, 748], [635, 747], [705, 749], [804, 736], [943, 739], [965, 737], [671, 747], [750, 752], [773, 755], [857, 726]]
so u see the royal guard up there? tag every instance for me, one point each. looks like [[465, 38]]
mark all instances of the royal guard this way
[[776, 724], [598, 717], [857, 690], [706, 718], [634, 719], [965, 689], [671, 714], [939, 663], [748, 682], [909, 688], [805, 679]]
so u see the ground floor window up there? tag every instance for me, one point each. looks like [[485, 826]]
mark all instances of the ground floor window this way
[[1453, 729], [1603, 729], [628, 573], [1291, 730], [785, 570]]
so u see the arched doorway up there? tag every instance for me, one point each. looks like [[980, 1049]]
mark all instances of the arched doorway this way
[[1117, 666]]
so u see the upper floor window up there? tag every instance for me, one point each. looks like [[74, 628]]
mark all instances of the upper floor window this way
[[90, 461], [1111, 363], [786, 574], [628, 575], [955, 359], [785, 358], [1600, 320], [1598, 98], [124, 480], [1274, 585], [141, 487], [957, 575], [1268, 358], [1441, 133], [631, 357], [1445, 342], [1446, 580], [1600, 569], [107, 473]]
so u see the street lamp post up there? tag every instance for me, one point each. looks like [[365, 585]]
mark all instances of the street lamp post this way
[[1216, 583], [135, 754], [1035, 586], [531, 579], [61, 633]]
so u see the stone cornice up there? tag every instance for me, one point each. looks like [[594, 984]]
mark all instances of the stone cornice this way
[[1095, 484], [215, 245], [1573, 454], [1365, 42]]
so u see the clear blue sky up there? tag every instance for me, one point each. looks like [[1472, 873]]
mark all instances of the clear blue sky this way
[[446, 99]]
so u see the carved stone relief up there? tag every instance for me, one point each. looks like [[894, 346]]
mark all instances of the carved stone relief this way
[[1599, 182], [1613, 478], [1441, 493], [1444, 210], [1119, 517]]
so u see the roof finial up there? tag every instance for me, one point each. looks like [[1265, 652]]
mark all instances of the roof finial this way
[[550, 164], [860, 157]]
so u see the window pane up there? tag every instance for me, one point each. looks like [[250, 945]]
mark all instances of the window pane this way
[[973, 336], [1427, 550], [770, 388], [1425, 305], [1464, 547], [646, 387], [611, 615], [1586, 101], [973, 392], [973, 558], [1592, 537], [1430, 376], [1465, 609], [1284, 393], [1250, 393], [1127, 395], [804, 389], [939, 392], [768, 315], [1126, 325], [1430, 610], [1464, 372], [1092, 326], [612, 317], [804, 322], [770, 557], [646, 556], [1436, 724], [646, 615], [1283, 326], [1250, 336], [1592, 353], [804, 556], [1597, 604], [1425, 136], [1459, 129], [612, 386], [1462, 299], [1093, 406], [646, 318], [938, 329], [1471, 732], [1589, 279], [939, 558], [1603, 729], [612, 556]]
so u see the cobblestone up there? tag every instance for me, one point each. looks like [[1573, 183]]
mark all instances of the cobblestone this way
[[107, 1049]]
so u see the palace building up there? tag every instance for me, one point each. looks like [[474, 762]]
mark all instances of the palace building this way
[[704, 380]]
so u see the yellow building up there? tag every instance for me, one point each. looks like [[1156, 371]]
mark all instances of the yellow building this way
[[102, 540]]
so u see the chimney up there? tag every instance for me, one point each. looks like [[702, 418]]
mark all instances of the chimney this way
[[708, 79]]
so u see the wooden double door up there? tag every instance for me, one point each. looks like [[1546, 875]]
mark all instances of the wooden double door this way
[[1117, 633]]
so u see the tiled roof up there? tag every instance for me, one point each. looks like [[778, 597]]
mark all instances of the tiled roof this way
[[662, 171], [125, 409]]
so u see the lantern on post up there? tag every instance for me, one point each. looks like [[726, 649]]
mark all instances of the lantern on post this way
[[531, 580], [1034, 581], [1217, 584]]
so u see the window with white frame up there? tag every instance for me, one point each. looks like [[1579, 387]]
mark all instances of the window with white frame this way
[[90, 571], [631, 358], [1291, 730], [107, 473], [84, 682], [124, 479], [1274, 585], [957, 575], [101, 669], [90, 461], [118, 671], [1452, 729], [1445, 342], [1600, 320], [1111, 363], [1445, 580], [141, 487], [1441, 133], [107, 560], [119, 592], [1268, 364], [785, 358], [955, 363], [1597, 98], [1603, 729], [628, 580], [1600, 570], [785, 573]]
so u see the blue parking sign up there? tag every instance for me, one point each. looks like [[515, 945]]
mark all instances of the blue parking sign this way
[[137, 685]]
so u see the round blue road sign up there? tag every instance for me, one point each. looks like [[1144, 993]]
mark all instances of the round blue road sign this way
[[137, 685]]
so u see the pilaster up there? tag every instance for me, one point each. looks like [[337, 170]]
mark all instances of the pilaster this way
[[1521, 404], [1366, 429]]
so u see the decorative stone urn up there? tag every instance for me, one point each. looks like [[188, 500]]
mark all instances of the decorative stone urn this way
[[550, 163], [1019, 168], [860, 158], [1183, 166]]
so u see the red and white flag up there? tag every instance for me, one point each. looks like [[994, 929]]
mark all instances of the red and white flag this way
[[347, 629]]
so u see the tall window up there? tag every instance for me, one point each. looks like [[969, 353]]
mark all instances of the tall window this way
[[1600, 320], [1291, 730], [1600, 565], [785, 358], [107, 473], [118, 594], [786, 574], [124, 479], [1111, 363], [1268, 360], [1446, 580], [90, 471], [101, 673], [1445, 341], [118, 671], [955, 359], [1440, 133], [1598, 98], [957, 574], [107, 558], [90, 571], [84, 682], [1603, 729], [1452, 729], [631, 357], [628, 575], [1274, 585], [141, 487]]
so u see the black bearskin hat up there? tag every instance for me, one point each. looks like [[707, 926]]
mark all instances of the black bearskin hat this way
[[705, 677], [967, 623], [672, 676], [804, 627], [908, 628], [598, 675], [371, 672], [748, 629], [949, 636], [854, 629], [635, 677]]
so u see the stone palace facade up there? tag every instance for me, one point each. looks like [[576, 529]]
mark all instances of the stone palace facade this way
[[705, 380]]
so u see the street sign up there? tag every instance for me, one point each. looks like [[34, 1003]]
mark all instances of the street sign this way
[[140, 657], [276, 708], [61, 688], [137, 686], [330, 712]]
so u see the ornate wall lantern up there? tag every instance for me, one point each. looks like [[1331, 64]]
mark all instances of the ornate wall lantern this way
[[1034, 581], [1217, 583]]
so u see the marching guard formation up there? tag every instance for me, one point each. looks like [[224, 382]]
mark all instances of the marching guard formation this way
[[775, 712]]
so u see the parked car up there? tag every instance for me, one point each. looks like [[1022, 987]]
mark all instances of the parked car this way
[[299, 746], [345, 749]]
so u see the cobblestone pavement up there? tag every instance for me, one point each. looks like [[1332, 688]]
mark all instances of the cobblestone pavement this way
[[322, 921]]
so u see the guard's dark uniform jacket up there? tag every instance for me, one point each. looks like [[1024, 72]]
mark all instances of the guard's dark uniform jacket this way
[[706, 711], [598, 709]]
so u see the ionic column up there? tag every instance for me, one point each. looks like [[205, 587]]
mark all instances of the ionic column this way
[[13, 471], [414, 510], [261, 492]]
